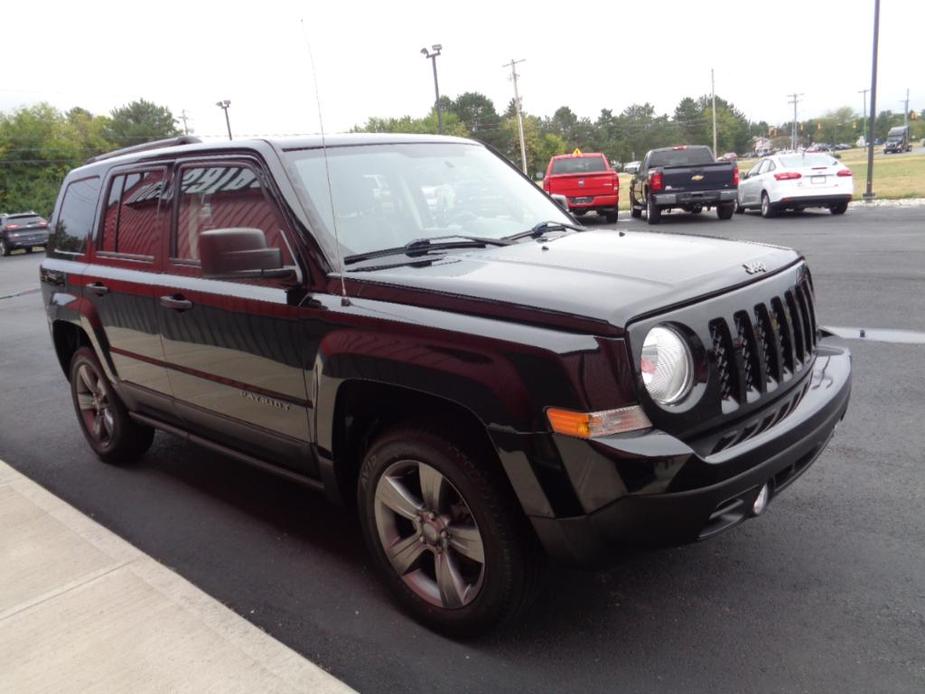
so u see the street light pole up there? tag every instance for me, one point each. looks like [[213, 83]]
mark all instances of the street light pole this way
[[869, 193], [713, 88], [864, 112], [520, 113], [436, 48], [224, 104]]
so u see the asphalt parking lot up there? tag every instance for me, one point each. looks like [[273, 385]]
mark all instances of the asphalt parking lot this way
[[825, 592]]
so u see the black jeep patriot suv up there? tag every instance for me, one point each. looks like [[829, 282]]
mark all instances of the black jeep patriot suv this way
[[410, 325]]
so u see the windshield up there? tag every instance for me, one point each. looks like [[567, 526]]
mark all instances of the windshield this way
[[579, 164], [388, 195], [795, 161]]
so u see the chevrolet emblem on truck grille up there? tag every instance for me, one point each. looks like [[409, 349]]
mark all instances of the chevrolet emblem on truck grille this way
[[698, 177]]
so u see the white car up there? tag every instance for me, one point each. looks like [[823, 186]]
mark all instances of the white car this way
[[796, 181]]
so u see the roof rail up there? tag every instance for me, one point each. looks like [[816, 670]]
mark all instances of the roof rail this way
[[157, 144]]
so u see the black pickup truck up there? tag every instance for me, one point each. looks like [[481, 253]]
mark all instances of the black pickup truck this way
[[684, 177]]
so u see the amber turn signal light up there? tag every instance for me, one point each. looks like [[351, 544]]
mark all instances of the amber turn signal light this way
[[589, 425]]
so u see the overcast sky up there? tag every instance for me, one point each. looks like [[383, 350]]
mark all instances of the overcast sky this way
[[588, 55]]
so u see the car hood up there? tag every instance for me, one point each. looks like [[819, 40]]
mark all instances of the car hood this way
[[603, 275]]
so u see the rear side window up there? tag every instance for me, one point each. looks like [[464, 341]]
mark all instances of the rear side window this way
[[75, 217], [135, 213], [224, 197], [578, 165]]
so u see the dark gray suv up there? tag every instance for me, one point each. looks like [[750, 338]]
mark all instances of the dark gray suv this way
[[22, 230]]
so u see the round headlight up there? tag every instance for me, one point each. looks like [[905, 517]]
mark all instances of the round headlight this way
[[666, 365]]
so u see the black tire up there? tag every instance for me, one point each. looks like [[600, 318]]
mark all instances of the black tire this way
[[653, 212], [767, 209], [508, 576], [635, 212], [725, 210], [4, 249], [113, 435], [739, 208], [611, 217], [840, 208]]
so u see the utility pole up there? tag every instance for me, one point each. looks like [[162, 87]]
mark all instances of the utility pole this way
[[184, 117], [864, 111], [794, 99], [869, 193], [224, 104], [436, 48], [713, 87], [520, 113], [906, 111]]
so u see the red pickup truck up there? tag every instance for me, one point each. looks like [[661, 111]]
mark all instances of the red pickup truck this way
[[587, 181]]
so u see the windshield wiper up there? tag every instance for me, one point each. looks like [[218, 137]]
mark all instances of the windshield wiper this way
[[538, 230], [427, 244]]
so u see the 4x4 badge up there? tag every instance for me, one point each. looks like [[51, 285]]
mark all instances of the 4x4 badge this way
[[754, 268]]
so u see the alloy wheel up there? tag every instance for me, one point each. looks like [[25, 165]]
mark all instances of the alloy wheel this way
[[429, 534], [94, 404]]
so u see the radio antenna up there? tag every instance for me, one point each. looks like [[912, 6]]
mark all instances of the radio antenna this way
[[344, 301]]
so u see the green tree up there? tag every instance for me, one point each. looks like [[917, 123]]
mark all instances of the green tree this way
[[477, 114], [139, 122], [38, 146]]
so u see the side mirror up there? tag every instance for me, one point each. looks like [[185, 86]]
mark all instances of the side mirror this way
[[239, 253], [743, 175]]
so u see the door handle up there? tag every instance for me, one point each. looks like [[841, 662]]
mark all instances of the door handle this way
[[98, 288], [176, 302]]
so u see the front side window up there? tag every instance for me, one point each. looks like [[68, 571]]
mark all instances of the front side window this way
[[229, 196], [75, 217], [387, 195]]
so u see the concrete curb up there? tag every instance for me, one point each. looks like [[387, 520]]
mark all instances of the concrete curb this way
[[83, 610]]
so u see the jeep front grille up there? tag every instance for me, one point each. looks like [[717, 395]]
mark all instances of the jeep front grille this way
[[766, 346]]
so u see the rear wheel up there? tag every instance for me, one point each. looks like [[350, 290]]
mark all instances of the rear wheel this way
[[112, 434], [444, 533], [653, 213], [611, 216], [840, 208], [725, 210], [767, 209]]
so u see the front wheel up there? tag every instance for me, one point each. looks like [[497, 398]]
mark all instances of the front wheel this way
[[112, 434], [739, 208], [840, 208], [444, 532], [4, 249], [653, 212], [725, 210]]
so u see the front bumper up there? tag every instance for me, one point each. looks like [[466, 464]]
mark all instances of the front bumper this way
[[680, 496], [704, 197]]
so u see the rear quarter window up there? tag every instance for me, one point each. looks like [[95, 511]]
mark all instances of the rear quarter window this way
[[75, 217]]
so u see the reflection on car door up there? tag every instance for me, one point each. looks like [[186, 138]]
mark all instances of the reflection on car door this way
[[119, 283], [234, 351]]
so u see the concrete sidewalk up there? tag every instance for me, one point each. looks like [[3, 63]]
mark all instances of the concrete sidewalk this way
[[81, 610]]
